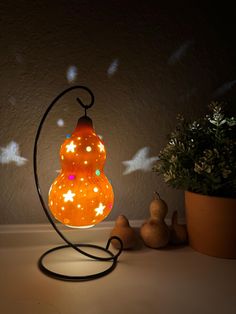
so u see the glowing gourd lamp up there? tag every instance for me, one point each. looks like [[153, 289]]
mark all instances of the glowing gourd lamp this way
[[81, 196]]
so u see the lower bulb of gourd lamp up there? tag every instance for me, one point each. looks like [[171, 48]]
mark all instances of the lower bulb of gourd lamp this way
[[81, 196]]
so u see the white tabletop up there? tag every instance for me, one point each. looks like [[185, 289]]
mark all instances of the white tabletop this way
[[169, 281]]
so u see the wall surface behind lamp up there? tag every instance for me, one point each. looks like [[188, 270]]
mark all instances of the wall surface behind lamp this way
[[145, 65]]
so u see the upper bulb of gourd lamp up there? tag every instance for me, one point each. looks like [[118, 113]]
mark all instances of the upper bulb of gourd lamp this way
[[81, 196]]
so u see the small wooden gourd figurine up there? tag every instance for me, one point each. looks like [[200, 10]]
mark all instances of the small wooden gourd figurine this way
[[178, 232], [123, 230], [155, 233]]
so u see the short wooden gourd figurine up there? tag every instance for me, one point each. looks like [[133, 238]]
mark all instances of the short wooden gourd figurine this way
[[178, 232], [154, 232], [123, 230]]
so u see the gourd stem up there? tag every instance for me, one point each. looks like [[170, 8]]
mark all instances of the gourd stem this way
[[157, 196]]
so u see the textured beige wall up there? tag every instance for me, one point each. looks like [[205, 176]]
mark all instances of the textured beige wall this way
[[169, 61]]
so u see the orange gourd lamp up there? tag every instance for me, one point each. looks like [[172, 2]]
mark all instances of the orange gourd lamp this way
[[81, 196]]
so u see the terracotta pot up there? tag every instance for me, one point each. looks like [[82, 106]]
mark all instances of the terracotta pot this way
[[211, 224]]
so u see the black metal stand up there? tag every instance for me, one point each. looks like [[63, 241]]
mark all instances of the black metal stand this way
[[112, 258]]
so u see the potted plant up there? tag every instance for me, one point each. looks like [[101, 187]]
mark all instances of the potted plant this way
[[200, 158]]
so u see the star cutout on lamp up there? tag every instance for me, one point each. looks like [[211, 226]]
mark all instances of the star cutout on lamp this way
[[140, 161], [101, 147], [70, 147], [99, 210], [11, 153], [69, 196]]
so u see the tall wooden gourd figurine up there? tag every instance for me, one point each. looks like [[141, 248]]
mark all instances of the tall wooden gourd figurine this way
[[154, 232]]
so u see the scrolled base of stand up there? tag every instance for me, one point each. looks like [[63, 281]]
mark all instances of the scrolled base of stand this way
[[112, 259]]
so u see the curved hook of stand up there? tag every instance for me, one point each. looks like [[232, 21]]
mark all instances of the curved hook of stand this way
[[82, 104], [75, 247]]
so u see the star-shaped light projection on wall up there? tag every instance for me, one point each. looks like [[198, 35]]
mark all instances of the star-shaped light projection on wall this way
[[140, 161], [11, 153], [180, 52], [60, 123], [112, 68], [224, 88], [71, 73]]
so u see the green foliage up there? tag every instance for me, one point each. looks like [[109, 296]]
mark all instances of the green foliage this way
[[201, 155]]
